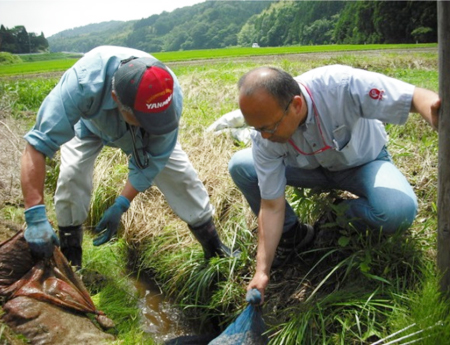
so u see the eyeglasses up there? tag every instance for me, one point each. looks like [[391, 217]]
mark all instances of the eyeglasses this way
[[277, 124]]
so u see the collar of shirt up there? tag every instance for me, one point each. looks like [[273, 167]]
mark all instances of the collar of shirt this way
[[310, 119]]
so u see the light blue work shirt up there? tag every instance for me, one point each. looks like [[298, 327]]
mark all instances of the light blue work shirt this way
[[81, 104], [351, 106]]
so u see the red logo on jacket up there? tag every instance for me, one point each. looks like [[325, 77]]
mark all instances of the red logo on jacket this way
[[376, 94]]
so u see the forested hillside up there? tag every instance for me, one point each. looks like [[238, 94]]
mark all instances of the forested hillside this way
[[85, 38], [220, 24], [211, 24]]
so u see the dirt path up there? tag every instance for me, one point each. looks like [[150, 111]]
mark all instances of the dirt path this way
[[305, 56]]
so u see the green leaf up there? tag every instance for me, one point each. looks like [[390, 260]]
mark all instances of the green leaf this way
[[343, 241]]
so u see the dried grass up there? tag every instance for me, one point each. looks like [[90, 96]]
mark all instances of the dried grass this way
[[12, 146], [149, 214]]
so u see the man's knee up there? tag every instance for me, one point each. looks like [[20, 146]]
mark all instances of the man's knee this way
[[398, 216], [388, 214], [241, 166], [402, 217]]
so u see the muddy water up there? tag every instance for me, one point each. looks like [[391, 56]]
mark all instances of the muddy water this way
[[160, 319]]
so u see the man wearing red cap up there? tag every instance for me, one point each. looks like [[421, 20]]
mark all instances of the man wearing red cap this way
[[123, 98]]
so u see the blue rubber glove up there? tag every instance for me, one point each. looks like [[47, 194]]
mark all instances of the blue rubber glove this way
[[108, 225], [39, 234]]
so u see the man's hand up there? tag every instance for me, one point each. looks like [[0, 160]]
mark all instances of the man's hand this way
[[39, 234], [260, 281], [435, 114], [108, 225], [426, 103], [253, 297]]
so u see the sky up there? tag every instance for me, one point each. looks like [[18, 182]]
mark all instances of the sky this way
[[53, 16]]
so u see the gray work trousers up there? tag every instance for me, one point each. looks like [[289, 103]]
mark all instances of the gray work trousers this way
[[178, 181]]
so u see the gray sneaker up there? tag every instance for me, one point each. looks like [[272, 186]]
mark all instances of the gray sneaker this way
[[291, 242]]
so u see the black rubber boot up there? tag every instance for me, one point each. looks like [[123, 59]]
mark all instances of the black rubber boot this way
[[71, 240], [208, 237]]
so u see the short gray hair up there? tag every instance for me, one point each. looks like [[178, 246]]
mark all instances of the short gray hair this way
[[280, 84]]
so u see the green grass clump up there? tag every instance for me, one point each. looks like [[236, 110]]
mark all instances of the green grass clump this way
[[113, 291], [348, 289], [9, 59], [24, 97], [421, 314]]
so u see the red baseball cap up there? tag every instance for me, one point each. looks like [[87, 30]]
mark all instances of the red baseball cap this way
[[146, 85]]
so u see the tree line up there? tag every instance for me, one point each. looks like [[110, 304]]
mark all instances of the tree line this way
[[18, 41], [220, 24]]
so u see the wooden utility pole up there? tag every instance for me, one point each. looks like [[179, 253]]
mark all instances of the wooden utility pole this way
[[443, 245]]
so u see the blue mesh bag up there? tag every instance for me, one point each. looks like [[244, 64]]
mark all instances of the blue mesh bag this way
[[248, 328]]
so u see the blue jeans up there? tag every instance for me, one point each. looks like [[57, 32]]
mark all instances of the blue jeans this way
[[386, 199]]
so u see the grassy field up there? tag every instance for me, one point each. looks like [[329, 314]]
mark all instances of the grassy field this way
[[361, 290], [44, 63]]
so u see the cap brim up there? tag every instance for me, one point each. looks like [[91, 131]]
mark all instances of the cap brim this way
[[158, 123]]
